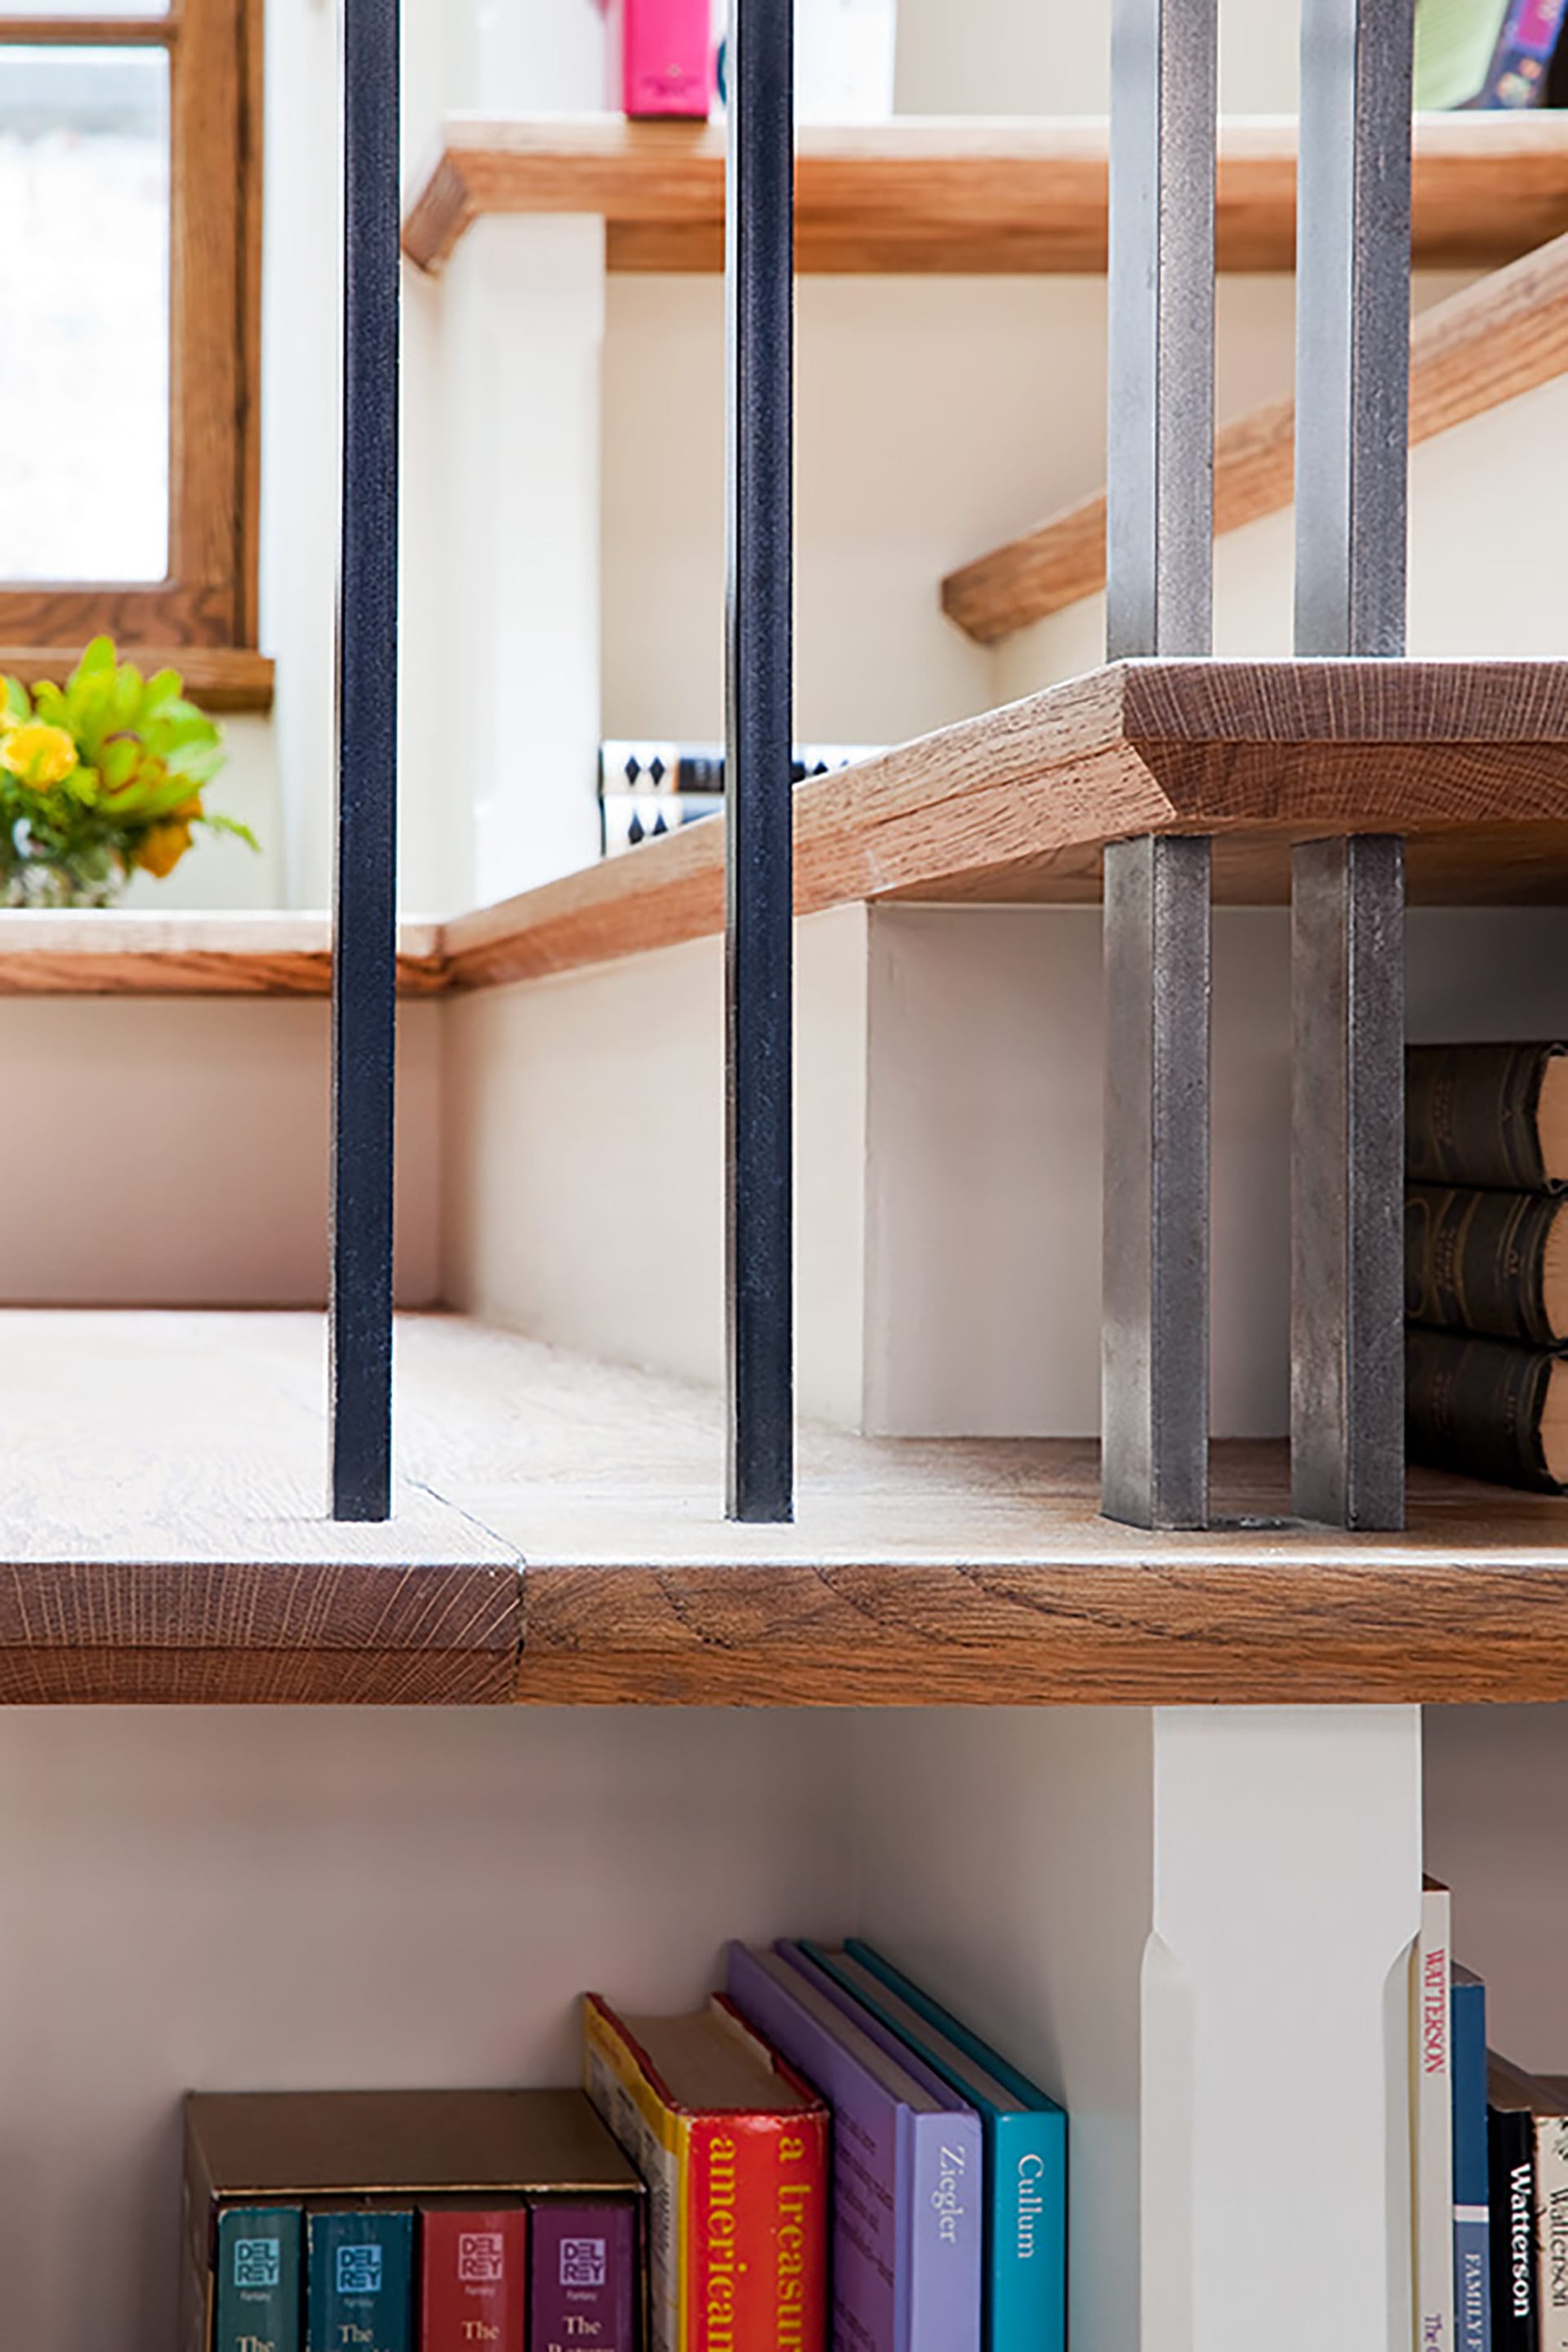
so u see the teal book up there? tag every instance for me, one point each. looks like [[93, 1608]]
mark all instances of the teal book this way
[[1024, 2136], [256, 2297], [361, 2281]]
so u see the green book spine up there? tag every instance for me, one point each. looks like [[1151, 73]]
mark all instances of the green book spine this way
[[256, 2287], [1476, 1261], [1474, 1406], [361, 2281], [1470, 1115]]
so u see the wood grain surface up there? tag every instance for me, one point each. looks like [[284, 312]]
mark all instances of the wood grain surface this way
[[1495, 339], [1469, 760], [163, 1534], [162, 1541], [964, 195], [220, 677], [93, 951], [961, 1572]]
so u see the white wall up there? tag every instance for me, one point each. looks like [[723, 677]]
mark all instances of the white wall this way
[[1051, 56], [1496, 1832], [584, 1159], [174, 1151], [293, 1898], [1489, 506], [1008, 1863]]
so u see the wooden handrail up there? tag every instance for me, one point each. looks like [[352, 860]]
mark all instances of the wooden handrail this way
[[1487, 344]]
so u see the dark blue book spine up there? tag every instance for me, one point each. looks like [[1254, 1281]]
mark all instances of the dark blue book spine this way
[[1472, 2220], [256, 2281], [360, 2292]]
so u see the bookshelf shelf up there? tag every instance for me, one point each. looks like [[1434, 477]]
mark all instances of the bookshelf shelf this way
[[191, 1565], [949, 195]]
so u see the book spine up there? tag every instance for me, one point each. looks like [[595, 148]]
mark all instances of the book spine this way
[[1551, 2232], [657, 770], [257, 2287], [654, 2140], [941, 2229], [361, 2281], [1432, 2068], [1028, 2235], [1511, 2163], [1476, 1261], [666, 63], [758, 2266], [473, 2279], [1470, 1116], [1472, 2249], [1475, 1406], [1025, 2163], [583, 2284]]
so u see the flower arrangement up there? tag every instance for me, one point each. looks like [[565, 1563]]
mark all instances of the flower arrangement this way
[[98, 777]]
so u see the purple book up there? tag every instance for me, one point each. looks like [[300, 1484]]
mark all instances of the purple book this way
[[583, 2278], [906, 2169]]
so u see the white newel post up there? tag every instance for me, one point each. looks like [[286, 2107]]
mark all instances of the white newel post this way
[[522, 353], [1276, 2148]]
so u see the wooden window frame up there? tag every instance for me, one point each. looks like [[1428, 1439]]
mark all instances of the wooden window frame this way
[[208, 598]]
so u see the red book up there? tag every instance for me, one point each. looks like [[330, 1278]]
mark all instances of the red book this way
[[473, 2288]]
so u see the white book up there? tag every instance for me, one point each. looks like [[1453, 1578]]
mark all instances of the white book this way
[[1551, 2219], [1433, 2117]]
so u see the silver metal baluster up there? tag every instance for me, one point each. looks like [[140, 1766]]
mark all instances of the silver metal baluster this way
[[1347, 1393], [1159, 600]]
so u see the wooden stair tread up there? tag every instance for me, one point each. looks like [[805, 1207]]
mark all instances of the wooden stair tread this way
[[162, 1541], [1469, 760], [1484, 345], [163, 1532], [94, 951], [947, 194]]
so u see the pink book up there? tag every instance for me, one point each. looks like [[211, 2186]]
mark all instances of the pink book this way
[[667, 58]]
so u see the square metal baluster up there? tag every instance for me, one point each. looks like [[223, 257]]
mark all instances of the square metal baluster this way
[[1159, 600], [1347, 1394], [759, 1273], [366, 923]]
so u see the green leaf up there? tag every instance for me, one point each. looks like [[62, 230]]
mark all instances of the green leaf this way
[[231, 825]]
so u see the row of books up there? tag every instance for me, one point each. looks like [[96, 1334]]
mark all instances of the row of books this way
[[830, 2154], [820, 2154], [1491, 2168], [1487, 54], [648, 789], [544, 2272], [1486, 1261], [409, 2221]]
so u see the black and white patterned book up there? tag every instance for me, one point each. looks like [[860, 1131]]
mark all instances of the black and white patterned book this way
[[649, 768]]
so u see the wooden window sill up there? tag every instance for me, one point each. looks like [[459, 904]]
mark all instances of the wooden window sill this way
[[220, 677]]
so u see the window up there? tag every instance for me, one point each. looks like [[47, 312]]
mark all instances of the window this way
[[130, 188]]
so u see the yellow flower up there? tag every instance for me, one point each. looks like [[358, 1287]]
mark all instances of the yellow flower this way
[[163, 845], [37, 755]]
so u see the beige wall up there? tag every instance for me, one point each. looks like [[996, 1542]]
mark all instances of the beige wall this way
[[174, 1151]]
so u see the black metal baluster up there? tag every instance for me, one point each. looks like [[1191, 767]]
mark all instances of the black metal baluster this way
[[365, 925], [1347, 1395], [758, 972], [1159, 600]]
